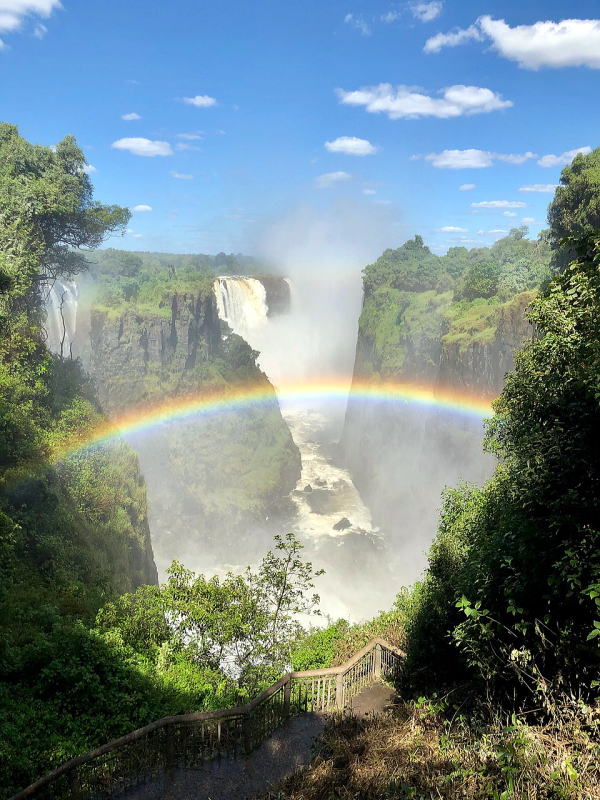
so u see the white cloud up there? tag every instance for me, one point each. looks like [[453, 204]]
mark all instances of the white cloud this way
[[563, 159], [466, 187], [460, 159], [509, 213], [390, 16], [186, 146], [453, 229], [452, 39], [143, 147], [351, 146], [130, 117], [89, 169], [200, 101], [14, 12], [514, 158], [472, 158], [142, 207], [408, 103], [499, 204], [329, 179], [426, 12], [498, 230], [568, 43], [190, 137], [544, 188], [528, 220], [359, 23], [181, 176], [40, 31], [369, 192]]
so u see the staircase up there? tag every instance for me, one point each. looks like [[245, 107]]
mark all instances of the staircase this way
[[192, 742]]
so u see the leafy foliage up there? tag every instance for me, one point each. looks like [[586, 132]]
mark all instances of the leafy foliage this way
[[575, 209], [514, 573], [416, 302], [242, 626], [46, 210], [73, 530]]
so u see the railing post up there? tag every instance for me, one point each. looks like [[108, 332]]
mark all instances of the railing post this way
[[287, 696], [339, 690], [377, 661], [247, 733], [75, 786]]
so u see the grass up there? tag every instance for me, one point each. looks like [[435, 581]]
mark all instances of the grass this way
[[414, 752]]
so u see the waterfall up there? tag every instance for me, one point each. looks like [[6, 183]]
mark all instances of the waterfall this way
[[61, 316], [242, 304]]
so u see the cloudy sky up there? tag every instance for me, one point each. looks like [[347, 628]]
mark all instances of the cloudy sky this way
[[208, 119]]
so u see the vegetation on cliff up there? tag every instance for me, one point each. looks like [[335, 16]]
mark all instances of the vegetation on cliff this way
[[502, 635], [73, 525], [417, 304], [512, 595], [73, 529], [220, 476]]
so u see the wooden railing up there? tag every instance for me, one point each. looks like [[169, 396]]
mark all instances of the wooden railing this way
[[189, 740]]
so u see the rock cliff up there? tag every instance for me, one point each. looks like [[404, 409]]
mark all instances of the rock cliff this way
[[400, 456], [217, 484], [139, 356]]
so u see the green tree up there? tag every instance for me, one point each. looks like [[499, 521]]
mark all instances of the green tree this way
[[47, 212], [575, 209], [514, 575], [480, 280], [244, 626]]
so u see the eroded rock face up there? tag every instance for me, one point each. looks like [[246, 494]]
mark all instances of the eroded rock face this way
[[482, 367], [401, 456], [135, 357], [278, 294], [212, 479]]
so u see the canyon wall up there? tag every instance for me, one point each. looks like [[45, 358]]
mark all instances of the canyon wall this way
[[217, 484], [401, 457]]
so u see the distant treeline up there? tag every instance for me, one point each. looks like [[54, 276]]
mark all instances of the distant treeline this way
[[143, 278]]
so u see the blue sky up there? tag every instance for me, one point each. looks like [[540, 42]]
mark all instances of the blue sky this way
[[239, 99]]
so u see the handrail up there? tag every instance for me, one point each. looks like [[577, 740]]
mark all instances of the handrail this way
[[314, 690]]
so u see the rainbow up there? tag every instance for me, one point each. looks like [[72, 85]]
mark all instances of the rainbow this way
[[150, 417]]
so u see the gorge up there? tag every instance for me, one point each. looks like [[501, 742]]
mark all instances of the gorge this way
[[358, 481]]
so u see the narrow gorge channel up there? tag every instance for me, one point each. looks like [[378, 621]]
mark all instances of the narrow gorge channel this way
[[329, 516]]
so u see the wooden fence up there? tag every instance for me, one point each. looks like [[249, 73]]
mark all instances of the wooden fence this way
[[188, 740]]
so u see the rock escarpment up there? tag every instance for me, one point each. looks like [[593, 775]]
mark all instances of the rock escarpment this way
[[217, 483], [279, 296], [401, 456], [140, 356]]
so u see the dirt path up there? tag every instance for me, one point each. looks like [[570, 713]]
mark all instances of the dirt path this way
[[374, 699], [288, 749]]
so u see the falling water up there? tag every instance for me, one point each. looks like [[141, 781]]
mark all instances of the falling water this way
[[61, 316], [242, 303]]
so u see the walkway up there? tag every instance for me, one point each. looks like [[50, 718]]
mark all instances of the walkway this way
[[287, 750]]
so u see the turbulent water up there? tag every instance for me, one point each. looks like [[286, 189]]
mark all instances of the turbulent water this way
[[61, 316], [327, 501]]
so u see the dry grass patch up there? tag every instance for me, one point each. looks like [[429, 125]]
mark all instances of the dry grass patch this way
[[412, 753]]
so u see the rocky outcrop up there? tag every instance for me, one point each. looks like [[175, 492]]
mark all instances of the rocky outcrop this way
[[136, 357], [401, 456], [278, 294], [217, 483], [481, 366]]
